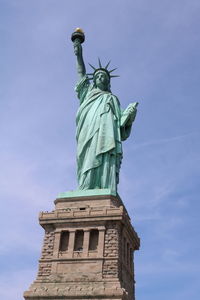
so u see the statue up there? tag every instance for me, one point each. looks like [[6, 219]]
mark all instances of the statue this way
[[101, 125]]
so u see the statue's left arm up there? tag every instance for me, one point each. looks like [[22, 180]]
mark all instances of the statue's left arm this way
[[127, 119]]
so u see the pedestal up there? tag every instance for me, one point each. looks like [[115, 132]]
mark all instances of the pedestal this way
[[87, 251]]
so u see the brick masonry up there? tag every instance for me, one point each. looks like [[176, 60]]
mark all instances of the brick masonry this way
[[111, 250], [47, 252]]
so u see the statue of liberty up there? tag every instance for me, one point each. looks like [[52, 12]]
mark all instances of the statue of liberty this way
[[101, 125]]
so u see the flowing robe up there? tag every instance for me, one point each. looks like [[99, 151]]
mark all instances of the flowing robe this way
[[99, 136]]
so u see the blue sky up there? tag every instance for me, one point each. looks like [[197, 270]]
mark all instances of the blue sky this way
[[155, 45]]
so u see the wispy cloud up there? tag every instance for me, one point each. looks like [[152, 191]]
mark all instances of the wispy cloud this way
[[165, 140]]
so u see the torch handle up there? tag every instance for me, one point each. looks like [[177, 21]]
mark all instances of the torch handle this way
[[77, 47]]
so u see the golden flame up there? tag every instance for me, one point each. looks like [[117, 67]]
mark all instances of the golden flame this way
[[79, 30]]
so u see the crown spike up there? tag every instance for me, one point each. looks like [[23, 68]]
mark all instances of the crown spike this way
[[92, 66], [112, 70], [100, 66], [91, 75], [106, 67]]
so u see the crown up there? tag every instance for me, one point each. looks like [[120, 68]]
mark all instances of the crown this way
[[101, 69]]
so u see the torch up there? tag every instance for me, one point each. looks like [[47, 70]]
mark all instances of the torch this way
[[78, 37]]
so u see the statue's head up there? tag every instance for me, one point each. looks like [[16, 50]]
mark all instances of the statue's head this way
[[101, 77]]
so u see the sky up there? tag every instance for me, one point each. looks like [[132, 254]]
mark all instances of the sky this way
[[155, 46]]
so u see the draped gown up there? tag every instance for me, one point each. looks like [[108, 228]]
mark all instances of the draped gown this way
[[99, 137]]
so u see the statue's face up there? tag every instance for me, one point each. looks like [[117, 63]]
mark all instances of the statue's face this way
[[102, 81]]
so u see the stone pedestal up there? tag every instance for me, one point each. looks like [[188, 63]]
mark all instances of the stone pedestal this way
[[88, 250]]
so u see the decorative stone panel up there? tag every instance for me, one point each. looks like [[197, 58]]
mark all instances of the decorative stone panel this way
[[110, 268], [47, 252], [111, 246], [44, 270], [111, 251]]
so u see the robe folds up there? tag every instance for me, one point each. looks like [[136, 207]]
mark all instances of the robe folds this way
[[99, 136]]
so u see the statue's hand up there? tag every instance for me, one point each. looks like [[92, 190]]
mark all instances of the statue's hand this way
[[77, 48], [132, 114], [132, 110]]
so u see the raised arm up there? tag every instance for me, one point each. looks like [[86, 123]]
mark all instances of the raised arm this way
[[80, 62]]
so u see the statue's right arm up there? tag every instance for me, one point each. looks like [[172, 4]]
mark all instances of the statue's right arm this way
[[80, 62]]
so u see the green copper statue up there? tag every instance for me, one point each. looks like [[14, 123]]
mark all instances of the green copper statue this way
[[101, 125]]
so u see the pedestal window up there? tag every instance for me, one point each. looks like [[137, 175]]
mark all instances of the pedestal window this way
[[64, 241], [94, 239], [78, 245]]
